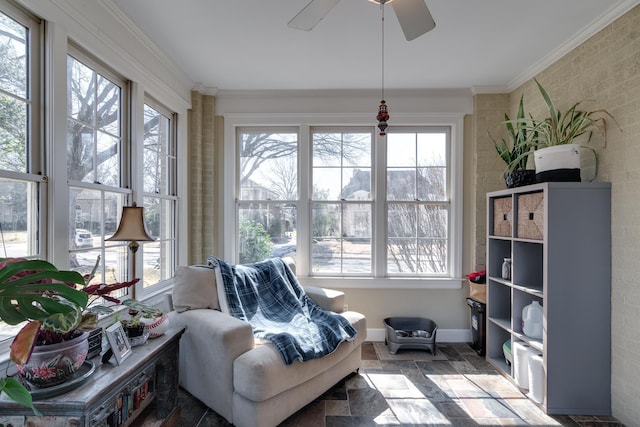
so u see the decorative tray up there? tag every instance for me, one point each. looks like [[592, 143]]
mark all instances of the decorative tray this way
[[76, 380]]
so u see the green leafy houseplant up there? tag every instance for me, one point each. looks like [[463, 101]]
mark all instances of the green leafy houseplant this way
[[515, 152], [563, 127], [37, 292]]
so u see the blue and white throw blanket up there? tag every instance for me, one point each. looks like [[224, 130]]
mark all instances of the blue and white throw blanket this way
[[268, 296]]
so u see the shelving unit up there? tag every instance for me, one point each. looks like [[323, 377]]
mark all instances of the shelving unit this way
[[558, 236]]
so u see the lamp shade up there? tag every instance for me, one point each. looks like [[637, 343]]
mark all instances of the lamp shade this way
[[131, 226]]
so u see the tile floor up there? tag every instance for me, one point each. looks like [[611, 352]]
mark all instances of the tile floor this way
[[463, 390]]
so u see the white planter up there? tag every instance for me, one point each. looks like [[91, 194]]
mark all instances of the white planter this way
[[563, 163], [156, 326]]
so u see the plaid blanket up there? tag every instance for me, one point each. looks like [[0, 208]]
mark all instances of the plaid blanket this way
[[268, 296]]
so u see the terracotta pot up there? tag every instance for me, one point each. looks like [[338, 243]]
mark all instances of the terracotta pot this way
[[53, 364]]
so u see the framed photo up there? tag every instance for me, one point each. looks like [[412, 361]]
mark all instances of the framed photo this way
[[119, 342]]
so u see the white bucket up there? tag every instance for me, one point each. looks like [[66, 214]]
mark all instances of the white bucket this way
[[536, 377], [521, 354], [565, 156], [564, 163]]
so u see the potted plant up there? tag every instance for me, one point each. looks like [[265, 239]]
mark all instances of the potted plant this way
[[557, 154], [515, 153], [37, 292], [155, 321], [90, 316]]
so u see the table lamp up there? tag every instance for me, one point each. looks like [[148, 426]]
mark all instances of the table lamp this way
[[131, 229]]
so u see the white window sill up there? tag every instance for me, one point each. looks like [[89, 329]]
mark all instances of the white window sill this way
[[383, 283]]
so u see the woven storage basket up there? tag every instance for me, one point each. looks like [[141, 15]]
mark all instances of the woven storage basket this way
[[502, 216], [531, 216]]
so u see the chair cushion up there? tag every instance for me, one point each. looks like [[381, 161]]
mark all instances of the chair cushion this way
[[195, 287], [260, 374]]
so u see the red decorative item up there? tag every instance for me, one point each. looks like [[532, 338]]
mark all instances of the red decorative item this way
[[382, 118]]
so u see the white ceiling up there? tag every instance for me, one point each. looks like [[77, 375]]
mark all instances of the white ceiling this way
[[483, 44]]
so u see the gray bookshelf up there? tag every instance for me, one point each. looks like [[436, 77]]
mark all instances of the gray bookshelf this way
[[558, 235]]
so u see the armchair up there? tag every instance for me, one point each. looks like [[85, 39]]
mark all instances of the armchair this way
[[241, 379]]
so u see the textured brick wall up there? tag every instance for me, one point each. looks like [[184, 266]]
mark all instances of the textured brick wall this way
[[605, 69], [201, 177], [488, 113]]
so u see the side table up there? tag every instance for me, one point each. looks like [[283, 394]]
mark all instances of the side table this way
[[113, 396]]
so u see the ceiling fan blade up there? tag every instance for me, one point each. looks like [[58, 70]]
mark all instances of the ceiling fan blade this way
[[414, 17], [312, 13]]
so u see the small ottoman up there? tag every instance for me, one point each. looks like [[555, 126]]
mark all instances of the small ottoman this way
[[410, 333]]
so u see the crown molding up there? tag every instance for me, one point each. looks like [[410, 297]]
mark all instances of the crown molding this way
[[615, 11]]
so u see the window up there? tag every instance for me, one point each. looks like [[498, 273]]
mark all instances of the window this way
[[268, 193], [384, 209], [342, 201], [159, 172], [417, 203], [96, 166], [22, 182]]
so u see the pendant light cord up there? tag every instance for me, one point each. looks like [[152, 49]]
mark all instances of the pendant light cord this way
[[382, 13]]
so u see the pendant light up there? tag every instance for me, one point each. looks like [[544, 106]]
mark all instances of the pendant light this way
[[383, 114]]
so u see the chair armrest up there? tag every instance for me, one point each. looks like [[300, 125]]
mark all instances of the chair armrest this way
[[329, 299], [210, 344]]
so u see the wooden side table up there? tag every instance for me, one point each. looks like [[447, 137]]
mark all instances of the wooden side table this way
[[113, 396]]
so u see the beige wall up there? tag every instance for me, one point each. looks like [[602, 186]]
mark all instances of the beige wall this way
[[606, 69]]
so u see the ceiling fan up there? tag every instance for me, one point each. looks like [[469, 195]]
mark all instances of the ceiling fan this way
[[413, 15]]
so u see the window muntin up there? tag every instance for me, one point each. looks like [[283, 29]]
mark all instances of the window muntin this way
[[266, 203], [97, 102], [159, 184]]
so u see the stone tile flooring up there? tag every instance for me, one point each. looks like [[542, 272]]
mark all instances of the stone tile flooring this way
[[463, 390]]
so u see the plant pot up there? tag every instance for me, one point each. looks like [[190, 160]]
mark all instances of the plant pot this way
[[53, 364], [156, 326], [520, 177], [134, 331], [559, 163]]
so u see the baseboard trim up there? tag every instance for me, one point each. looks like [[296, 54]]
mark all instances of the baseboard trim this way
[[443, 335]]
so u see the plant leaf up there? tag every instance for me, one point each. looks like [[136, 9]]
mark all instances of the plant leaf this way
[[18, 393], [23, 343]]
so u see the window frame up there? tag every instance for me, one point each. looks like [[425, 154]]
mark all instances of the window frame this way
[[166, 271], [123, 190], [305, 122], [36, 172]]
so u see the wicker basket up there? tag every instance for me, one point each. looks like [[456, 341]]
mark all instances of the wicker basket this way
[[502, 216], [531, 216]]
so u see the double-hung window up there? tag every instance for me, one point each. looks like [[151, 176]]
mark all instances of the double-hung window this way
[[97, 165], [361, 206], [267, 183], [22, 179], [159, 186]]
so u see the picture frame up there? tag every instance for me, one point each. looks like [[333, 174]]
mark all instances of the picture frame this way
[[119, 342]]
